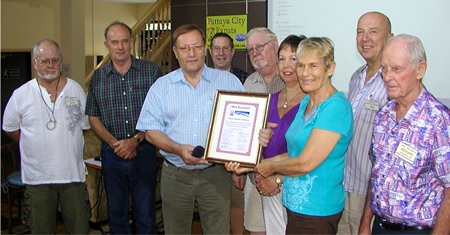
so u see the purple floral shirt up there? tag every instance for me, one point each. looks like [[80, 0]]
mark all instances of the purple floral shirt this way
[[410, 190]]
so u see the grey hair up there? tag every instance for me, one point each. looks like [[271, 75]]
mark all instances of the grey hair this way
[[416, 51], [36, 47], [269, 34]]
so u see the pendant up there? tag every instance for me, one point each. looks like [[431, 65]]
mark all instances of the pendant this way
[[50, 125], [285, 106]]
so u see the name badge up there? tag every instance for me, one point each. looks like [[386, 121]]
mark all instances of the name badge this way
[[406, 153], [372, 105], [71, 101]]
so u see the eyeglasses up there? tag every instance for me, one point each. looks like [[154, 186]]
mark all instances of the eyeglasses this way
[[197, 49], [48, 61], [216, 49], [259, 47]]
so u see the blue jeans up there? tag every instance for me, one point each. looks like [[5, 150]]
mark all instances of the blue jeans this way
[[136, 178]]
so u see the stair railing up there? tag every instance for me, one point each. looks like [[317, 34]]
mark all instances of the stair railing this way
[[151, 36]]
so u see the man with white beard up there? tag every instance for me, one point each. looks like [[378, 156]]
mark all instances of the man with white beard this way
[[262, 50], [46, 117]]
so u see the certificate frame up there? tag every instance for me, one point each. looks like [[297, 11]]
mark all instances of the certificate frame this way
[[233, 131]]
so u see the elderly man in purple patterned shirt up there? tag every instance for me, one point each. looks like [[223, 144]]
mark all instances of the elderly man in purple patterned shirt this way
[[409, 190]]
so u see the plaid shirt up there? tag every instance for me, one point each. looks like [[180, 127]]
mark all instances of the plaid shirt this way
[[241, 74], [256, 83], [118, 99]]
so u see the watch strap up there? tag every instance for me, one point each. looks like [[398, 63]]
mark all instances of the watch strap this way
[[137, 138]]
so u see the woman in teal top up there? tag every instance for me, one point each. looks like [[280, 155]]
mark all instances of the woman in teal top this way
[[317, 141]]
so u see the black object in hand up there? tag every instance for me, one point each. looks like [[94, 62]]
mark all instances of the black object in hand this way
[[198, 151]]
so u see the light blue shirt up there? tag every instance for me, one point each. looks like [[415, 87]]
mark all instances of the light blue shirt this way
[[320, 192], [182, 112]]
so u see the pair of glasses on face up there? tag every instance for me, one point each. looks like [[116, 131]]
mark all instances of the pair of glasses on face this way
[[186, 49], [48, 61], [259, 47], [216, 49]]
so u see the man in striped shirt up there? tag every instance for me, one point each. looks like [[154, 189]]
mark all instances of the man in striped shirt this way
[[367, 94]]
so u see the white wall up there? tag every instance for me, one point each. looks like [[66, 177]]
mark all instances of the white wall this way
[[428, 20], [104, 13], [26, 22]]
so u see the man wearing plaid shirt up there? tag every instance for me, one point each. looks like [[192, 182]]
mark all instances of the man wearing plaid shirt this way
[[115, 98]]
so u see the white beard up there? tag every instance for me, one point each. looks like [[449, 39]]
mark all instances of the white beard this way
[[48, 76], [257, 65]]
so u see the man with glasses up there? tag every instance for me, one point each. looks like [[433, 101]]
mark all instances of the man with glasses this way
[[262, 50], [222, 52], [115, 98], [46, 116], [176, 116]]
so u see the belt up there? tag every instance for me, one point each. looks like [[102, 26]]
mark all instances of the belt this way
[[192, 170], [400, 227]]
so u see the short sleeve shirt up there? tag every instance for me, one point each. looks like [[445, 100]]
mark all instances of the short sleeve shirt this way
[[320, 192]]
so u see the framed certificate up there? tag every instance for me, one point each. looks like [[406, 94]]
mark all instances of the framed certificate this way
[[236, 120]]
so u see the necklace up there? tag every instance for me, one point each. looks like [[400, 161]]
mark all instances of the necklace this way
[[285, 105], [51, 124]]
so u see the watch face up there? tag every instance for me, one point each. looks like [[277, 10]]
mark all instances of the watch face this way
[[278, 180]]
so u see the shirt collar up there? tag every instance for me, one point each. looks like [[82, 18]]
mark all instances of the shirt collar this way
[[259, 78], [363, 69], [206, 75], [135, 64], [419, 104]]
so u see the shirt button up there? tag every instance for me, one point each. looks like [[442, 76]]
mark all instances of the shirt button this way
[[126, 108], [128, 135], [124, 93], [123, 79], [126, 121]]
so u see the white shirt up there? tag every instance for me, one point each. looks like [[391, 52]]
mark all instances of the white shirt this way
[[49, 156]]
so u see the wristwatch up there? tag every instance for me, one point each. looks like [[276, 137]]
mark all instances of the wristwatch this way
[[137, 138], [278, 180]]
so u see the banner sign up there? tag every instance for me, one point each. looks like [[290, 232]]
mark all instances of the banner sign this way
[[233, 25]]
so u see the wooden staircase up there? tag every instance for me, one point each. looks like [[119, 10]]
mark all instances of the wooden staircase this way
[[151, 37]]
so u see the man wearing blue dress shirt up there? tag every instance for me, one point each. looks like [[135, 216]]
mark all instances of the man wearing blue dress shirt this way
[[176, 116]]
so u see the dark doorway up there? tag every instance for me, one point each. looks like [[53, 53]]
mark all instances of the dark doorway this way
[[16, 70]]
